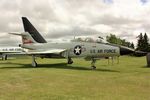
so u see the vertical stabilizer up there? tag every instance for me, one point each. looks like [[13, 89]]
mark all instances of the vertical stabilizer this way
[[28, 27]]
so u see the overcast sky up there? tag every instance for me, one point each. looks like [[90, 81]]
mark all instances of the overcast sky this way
[[64, 19]]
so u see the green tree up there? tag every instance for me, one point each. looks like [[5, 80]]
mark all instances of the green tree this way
[[132, 45], [140, 42], [143, 43], [113, 39], [116, 40]]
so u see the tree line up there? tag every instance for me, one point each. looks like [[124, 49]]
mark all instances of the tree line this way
[[116, 40], [142, 42]]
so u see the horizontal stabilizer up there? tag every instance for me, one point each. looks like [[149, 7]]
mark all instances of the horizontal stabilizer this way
[[16, 34]]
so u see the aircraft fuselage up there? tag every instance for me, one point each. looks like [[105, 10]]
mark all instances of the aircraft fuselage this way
[[76, 49]]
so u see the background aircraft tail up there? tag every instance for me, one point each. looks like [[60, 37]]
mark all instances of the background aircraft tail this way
[[28, 27]]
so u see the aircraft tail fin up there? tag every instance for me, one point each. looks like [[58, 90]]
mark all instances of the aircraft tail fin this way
[[28, 27]]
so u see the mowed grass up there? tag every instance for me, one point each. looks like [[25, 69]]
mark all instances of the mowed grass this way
[[55, 80]]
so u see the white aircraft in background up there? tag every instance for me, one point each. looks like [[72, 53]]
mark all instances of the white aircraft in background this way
[[9, 50], [36, 45]]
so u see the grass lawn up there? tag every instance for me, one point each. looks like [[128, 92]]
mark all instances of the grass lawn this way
[[55, 80]]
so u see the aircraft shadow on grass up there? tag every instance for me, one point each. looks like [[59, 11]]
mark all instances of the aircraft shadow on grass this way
[[56, 65], [145, 66]]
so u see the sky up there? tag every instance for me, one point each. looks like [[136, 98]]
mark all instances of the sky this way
[[65, 19]]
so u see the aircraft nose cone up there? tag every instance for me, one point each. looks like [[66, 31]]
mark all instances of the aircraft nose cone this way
[[125, 50], [140, 53]]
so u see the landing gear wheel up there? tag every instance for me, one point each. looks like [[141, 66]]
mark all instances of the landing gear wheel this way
[[34, 64], [4, 57], [70, 61]]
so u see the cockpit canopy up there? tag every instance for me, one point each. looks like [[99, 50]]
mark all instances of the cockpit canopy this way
[[89, 39]]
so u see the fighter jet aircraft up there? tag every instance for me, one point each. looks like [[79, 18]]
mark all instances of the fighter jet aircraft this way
[[37, 46]]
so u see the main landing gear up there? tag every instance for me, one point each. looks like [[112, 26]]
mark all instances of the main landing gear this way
[[4, 57], [70, 61], [93, 64], [34, 64]]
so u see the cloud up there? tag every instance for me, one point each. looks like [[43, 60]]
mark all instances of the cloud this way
[[108, 1], [68, 18], [144, 1]]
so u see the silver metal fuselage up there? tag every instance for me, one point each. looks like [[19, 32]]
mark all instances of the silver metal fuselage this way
[[95, 50]]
